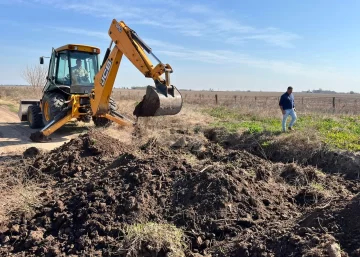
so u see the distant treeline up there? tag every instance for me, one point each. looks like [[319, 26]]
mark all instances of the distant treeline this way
[[139, 87], [315, 91], [320, 91]]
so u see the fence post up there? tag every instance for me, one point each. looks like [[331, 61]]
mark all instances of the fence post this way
[[334, 103], [216, 99], [235, 98]]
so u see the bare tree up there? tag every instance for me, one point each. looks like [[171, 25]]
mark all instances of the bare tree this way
[[35, 76]]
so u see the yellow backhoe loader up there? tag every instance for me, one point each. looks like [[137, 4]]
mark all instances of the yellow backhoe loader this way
[[78, 87]]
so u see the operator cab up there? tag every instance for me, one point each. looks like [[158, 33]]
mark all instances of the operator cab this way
[[72, 68]]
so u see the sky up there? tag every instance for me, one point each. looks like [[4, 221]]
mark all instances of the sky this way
[[256, 45]]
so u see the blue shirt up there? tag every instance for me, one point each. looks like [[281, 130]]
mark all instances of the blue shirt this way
[[287, 101]]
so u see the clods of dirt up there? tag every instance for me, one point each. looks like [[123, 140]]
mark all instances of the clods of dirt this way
[[228, 202], [31, 152], [301, 150]]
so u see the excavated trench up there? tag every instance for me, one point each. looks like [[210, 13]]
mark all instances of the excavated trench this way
[[229, 201]]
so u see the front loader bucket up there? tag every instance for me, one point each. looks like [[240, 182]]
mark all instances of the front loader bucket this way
[[156, 103], [23, 108]]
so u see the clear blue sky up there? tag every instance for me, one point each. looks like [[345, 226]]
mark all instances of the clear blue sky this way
[[225, 45]]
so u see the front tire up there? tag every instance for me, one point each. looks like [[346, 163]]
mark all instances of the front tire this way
[[34, 117], [52, 104]]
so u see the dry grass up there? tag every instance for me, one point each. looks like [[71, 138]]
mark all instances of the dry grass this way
[[311, 103], [259, 101], [154, 238], [316, 115], [162, 129], [11, 105], [16, 93], [19, 195]]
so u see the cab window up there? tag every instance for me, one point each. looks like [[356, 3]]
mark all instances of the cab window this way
[[62, 76], [83, 68]]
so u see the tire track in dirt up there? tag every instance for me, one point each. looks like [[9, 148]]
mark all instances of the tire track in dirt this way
[[14, 134]]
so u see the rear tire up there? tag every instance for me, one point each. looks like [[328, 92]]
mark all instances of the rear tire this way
[[104, 122], [34, 117], [52, 104]]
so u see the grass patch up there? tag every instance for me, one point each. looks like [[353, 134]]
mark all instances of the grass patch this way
[[235, 121], [19, 195], [12, 106], [341, 132], [155, 238], [317, 186]]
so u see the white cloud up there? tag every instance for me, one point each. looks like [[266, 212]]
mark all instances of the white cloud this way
[[217, 57], [283, 39], [163, 44], [199, 9], [208, 23], [277, 66], [230, 26], [90, 33], [184, 26], [241, 33]]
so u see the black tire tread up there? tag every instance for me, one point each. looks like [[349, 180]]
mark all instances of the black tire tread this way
[[37, 117], [56, 101]]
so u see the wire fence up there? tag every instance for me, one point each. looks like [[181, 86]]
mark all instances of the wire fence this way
[[339, 104], [331, 104]]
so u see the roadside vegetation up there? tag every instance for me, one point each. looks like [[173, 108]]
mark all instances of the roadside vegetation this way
[[11, 105], [338, 131]]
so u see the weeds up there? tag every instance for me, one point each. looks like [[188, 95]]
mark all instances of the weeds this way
[[18, 196], [11, 105], [317, 186], [155, 238], [338, 131]]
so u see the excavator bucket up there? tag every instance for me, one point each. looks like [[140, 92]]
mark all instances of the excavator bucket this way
[[156, 102]]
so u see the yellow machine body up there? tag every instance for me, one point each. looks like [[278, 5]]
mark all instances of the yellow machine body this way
[[64, 99]]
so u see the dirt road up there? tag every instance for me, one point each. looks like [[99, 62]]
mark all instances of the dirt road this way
[[14, 134]]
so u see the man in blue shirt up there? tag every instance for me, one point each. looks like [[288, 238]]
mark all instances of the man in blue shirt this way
[[287, 107]]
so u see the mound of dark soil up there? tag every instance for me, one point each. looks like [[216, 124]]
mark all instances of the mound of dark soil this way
[[289, 149], [340, 219], [229, 202]]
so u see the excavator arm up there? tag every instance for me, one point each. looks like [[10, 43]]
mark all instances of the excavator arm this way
[[163, 99]]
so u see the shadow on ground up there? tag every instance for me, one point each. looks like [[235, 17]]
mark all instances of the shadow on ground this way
[[18, 133]]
